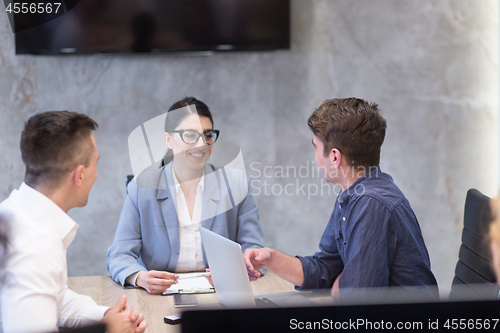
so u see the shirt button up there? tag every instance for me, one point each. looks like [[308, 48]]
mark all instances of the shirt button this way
[[343, 219]]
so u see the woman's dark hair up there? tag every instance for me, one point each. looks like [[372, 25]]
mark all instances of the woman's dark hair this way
[[183, 110], [174, 119]]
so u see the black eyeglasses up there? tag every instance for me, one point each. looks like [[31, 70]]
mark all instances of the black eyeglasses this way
[[190, 136]]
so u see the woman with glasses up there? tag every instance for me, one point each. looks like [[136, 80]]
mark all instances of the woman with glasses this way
[[158, 231]]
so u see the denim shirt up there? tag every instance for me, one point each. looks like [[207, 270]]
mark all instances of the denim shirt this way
[[373, 238]]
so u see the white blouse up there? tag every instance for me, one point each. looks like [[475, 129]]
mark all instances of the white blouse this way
[[190, 254]]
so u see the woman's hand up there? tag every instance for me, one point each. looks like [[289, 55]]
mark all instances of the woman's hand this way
[[209, 277], [156, 282]]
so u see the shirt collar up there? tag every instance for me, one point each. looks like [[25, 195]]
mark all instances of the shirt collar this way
[[200, 187], [346, 194], [64, 225]]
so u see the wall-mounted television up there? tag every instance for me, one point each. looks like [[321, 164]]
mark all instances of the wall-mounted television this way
[[159, 26]]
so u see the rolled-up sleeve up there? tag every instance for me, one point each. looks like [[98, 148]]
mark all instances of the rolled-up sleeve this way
[[321, 269]]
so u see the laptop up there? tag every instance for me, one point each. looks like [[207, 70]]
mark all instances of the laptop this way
[[230, 277]]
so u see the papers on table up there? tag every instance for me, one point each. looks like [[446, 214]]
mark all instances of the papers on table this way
[[190, 283]]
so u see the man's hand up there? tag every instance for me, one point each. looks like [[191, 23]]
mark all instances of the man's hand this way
[[335, 288], [283, 265], [156, 282], [256, 259], [122, 318]]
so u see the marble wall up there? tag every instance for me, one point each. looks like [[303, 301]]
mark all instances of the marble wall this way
[[431, 65]]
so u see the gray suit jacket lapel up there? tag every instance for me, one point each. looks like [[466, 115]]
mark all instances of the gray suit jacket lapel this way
[[210, 198], [167, 202]]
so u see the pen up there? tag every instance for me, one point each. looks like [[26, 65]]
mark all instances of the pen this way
[[191, 276]]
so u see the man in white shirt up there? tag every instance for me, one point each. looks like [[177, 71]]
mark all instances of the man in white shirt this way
[[60, 154]]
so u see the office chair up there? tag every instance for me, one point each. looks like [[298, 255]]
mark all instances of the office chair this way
[[156, 165], [128, 180], [474, 276]]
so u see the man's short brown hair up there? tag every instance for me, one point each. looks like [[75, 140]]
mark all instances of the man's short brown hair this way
[[353, 126], [53, 143]]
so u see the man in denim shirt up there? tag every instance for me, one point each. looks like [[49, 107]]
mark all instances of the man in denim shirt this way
[[373, 238]]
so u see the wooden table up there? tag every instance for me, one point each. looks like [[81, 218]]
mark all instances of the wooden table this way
[[154, 307]]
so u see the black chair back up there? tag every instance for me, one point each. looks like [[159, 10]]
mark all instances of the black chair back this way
[[97, 328], [474, 275], [128, 180]]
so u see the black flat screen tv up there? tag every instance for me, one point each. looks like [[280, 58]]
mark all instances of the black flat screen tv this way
[[158, 26]]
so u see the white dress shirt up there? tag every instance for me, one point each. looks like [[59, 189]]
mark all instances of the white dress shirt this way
[[34, 294]]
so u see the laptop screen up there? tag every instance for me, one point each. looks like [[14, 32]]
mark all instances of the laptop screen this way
[[228, 269]]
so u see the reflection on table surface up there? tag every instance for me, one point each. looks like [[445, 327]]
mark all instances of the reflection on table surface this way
[[154, 307]]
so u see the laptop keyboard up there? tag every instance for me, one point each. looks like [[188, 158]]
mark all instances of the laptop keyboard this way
[[265, 303]]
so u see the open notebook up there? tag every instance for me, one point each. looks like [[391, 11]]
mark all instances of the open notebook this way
[[190, 283]]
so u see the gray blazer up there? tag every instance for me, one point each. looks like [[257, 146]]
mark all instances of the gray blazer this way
[[147, 236]]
